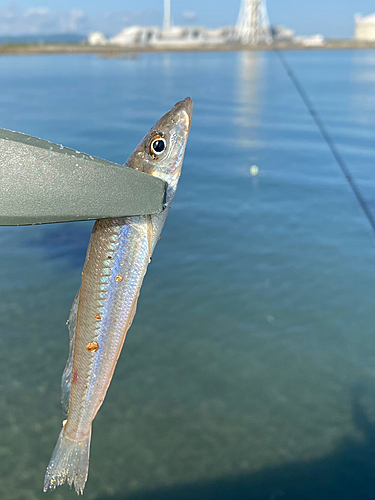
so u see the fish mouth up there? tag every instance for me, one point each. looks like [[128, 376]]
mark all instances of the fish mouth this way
[[186, 105]]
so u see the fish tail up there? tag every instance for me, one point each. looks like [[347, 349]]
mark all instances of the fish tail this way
[[69, 462]]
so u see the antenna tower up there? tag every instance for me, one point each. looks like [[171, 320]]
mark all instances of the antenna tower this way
[[253, 26], [167, 15]]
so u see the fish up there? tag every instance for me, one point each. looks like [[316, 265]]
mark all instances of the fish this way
[[118, 254]]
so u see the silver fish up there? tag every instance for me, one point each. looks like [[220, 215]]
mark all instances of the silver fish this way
[[118, 254]]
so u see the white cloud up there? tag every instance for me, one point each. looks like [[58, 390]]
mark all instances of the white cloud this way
[[15, 21], [189, 15], [36, 11], [39, 20]]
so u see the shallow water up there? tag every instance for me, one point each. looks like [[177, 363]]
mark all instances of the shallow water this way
[[249, 371]]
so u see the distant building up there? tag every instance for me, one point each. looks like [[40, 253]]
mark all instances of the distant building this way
[[97, 38], [175, 35], [195, 35], [136, 35], [282, 34], [310, 41], [364, 27]]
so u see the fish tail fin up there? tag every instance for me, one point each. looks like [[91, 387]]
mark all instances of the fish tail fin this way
[[69, 462]]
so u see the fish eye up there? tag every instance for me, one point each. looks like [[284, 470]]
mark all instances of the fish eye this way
[[158, 145]]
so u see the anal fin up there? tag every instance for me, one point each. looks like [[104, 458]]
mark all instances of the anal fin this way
[[67, 374]]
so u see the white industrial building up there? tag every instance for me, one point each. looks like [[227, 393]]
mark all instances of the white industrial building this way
[[364, 27], [153, 35], [310, 41], [282, 34], [136, 35], [252, 27], [97, 38]]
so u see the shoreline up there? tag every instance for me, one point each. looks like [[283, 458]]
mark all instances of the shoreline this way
[[117, 50]]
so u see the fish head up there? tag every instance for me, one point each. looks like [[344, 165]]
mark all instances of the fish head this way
[[161, 151]]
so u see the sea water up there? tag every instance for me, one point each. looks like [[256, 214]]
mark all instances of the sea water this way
[[249, 371]]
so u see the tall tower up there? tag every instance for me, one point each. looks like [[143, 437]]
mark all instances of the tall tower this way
[[167, 15], [253, 25]]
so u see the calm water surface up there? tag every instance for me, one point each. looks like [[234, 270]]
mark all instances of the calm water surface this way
[[249, 371]]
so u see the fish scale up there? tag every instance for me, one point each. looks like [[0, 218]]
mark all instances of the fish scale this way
[[115, 313]]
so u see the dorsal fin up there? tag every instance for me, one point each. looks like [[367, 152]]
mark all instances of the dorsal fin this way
[[67, 374]]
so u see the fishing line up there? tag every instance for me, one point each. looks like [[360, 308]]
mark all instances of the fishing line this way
[[326, 136]]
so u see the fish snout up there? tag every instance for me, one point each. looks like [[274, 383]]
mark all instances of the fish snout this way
[[186, 105]]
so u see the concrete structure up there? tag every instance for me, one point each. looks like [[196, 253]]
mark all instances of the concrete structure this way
[[310, 41], [364, 27], [252, 28], [97, 38], [282, 34], [136, 35], [253, 25], [176, 35]]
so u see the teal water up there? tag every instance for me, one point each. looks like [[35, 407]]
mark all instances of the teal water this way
[[249, 371]]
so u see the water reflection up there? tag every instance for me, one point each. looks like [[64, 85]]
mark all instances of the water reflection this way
[[363, 76], [249, 75]]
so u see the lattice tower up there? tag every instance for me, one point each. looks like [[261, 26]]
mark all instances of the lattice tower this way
[[253, 26]]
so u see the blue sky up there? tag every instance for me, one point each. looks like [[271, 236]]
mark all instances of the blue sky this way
[[332, 18]]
